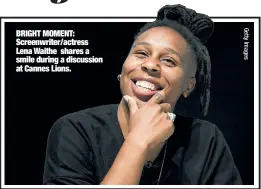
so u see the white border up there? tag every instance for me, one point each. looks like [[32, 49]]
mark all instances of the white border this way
[[124, 8], [2, 106], [114, 20], [256, 103], [129, 186]]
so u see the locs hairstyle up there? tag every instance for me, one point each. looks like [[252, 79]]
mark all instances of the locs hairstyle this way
[[196, 28]]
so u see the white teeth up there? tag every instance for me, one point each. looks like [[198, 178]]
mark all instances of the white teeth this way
[[144, 89], [146, 85]]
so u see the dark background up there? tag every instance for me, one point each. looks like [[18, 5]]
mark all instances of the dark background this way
[[34, 101]]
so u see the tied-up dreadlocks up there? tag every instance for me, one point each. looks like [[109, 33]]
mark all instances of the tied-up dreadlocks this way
[[196, 28]]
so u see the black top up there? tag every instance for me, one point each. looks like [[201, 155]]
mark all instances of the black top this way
[[83, 145]]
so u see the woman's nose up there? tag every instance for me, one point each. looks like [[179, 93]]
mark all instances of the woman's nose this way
[[151, 68]]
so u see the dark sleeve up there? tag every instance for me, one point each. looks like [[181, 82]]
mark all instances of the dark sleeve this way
[[69, 158], [220, 168]]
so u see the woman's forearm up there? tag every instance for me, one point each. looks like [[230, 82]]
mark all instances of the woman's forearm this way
[[127, 166]]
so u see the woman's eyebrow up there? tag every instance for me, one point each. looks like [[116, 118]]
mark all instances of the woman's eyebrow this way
[[143, 43], [140, 43]]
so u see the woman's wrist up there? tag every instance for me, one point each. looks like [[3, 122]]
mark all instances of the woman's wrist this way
[[140, 146]]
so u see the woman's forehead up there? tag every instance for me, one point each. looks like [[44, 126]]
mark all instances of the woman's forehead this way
[[163, 36]]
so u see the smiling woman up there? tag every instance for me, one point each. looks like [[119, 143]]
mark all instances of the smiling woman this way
[[159, 57], [142, 140]]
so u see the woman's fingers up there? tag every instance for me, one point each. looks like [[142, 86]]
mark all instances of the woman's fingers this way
[[157, 98], [132, 104], [165, 107]]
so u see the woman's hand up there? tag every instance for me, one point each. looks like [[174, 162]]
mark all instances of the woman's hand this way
[[149, 125]]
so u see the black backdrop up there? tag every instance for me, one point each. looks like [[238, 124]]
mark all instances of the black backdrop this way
[[34, 101]]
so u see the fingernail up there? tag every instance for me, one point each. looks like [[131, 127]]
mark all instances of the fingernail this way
[[126, 99]]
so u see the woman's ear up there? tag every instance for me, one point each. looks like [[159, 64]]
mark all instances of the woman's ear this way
[[190, 87]]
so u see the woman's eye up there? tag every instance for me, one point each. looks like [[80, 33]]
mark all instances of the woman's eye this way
[[169, 62], [142, 54]]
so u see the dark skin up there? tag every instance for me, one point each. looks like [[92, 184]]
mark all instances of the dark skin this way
[[160, 56]]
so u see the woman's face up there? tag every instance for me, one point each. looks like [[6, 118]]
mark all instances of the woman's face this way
[[159, 60]]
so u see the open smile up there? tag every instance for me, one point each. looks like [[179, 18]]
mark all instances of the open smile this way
[[144, 88]]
